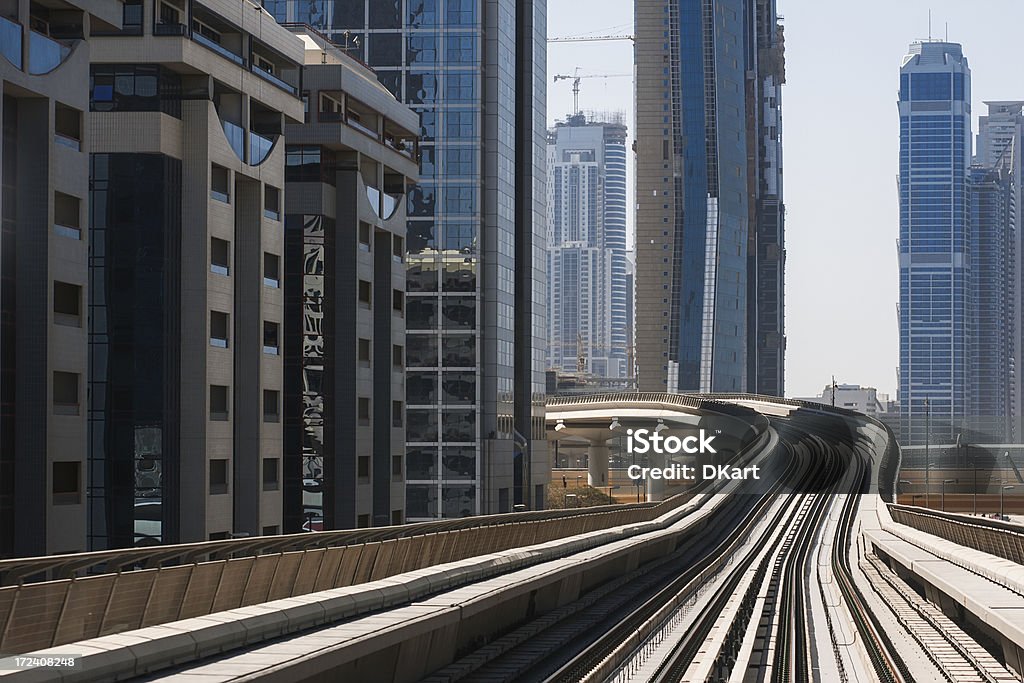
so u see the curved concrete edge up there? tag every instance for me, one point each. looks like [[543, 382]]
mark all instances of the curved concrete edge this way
[[147, 650]]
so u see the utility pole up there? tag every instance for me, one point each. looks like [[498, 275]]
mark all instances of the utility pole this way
[[834, 391]]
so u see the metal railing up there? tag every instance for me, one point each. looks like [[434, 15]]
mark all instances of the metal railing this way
[[10, 41], [987, 535], [42, 615]]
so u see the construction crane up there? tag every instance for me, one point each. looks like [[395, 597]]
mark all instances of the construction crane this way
[[588, 39], [576, 84]]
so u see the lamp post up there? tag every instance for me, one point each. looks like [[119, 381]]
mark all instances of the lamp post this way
[[942, 500], [1002, 490]]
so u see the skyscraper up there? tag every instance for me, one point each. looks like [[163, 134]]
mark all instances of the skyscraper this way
[[1001, 141], [934, 243], [993, 297], [475, 316], [589, 295], [709, 198]]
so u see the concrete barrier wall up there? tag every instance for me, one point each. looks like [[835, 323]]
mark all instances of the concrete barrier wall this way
[[41, 615]]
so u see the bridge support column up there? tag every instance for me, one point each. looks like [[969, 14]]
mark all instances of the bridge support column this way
[[597, 464], [656, 487]]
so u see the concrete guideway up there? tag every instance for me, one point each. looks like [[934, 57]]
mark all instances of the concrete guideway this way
[[802, 577]]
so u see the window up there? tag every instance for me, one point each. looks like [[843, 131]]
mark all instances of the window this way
[[272, 202], [67, 304], [220, 259], [364, 235], [363, 467], [363, 410], [271, 405], [271, 530], [364, 351], [271, 345], [219, 329], [364, 292], [67, 215], [67, 126], [270, 475], [397, 414], [397, 356], [271, 270], [218, 402], [138, 87], [218, 476], [397, 301], [398, 248], [66, 485], [65, 393], [363, 522], [219, 183], [396, 517], [131, 18], [396, 466]]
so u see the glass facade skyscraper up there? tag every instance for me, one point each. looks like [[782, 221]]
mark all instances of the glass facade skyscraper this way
[[993, 300], [475, 322], [934, 245], [709, 199], [589, 295]]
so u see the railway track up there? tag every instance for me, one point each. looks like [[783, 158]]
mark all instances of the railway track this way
[[594, 637]]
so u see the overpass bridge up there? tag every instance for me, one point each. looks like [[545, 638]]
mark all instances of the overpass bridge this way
[[810, 572]]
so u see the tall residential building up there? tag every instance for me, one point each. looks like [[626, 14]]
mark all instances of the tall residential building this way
[[344, 307], [993, 300], [934, 243], [766, 254], [188, 105], [44, 282], [709, 197], [589, 296], [1001, 141], [474, 71]]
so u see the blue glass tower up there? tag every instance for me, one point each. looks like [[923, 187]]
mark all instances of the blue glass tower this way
[[474, 70], [934, 244]]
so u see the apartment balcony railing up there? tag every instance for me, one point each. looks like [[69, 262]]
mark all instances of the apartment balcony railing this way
[[170, 30], [10, 41], [45, 54], [267, 76], [259, 147], [218, 48]]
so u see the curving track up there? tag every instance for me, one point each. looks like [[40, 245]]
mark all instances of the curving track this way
[[737, 595]]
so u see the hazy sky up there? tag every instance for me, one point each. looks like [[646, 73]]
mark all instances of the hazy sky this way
[[841, 143]]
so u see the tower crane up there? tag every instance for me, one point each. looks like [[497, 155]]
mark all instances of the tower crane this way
[[576, 84], [588, 39]]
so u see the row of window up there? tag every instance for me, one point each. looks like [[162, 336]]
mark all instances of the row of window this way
[[220, 403], [220, 189], [220, 262]]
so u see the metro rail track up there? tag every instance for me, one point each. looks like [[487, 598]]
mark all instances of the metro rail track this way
[[579, 641]]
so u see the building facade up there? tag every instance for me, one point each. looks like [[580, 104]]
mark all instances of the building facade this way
[[589, 297], [44, 279], [994, 298], [1000, 142], [709, 203], [474, 71], [866, 400], [934, 242], [188, 106], [347, 169]]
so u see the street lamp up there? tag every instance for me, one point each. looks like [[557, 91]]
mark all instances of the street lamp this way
[[1002, 490], [942, 500]]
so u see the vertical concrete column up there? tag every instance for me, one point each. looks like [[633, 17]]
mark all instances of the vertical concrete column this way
[[656, 487], [597, 463]]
